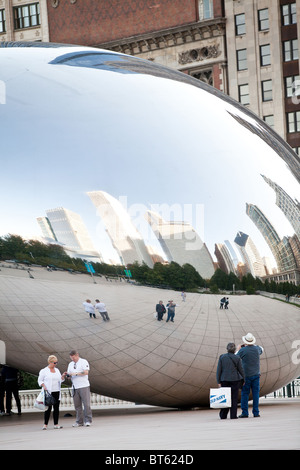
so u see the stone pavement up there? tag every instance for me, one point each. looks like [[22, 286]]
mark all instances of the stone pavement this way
[[135, 428]]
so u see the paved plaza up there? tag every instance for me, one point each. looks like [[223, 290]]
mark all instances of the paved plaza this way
[[137, 428]]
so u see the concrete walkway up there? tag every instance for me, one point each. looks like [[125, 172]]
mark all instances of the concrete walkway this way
[[137, 428]]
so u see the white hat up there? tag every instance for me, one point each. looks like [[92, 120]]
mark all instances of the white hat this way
[[249, 339]]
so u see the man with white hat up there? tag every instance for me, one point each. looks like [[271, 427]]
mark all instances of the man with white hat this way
[[249, 352]]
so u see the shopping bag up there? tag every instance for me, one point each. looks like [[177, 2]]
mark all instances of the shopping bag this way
[[220, 397], [40, 401]]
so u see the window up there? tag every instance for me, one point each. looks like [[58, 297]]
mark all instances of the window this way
[[2, 21], [266, 87], [244, 94], [241, 58], [288, 14], [265, 55], [292, 86], [290, 50], [269, 120], [240, 24], [205, 9], [293, 122], [263, 19], [27, 16]]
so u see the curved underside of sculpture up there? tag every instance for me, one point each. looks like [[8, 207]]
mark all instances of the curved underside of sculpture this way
[[133, 356]]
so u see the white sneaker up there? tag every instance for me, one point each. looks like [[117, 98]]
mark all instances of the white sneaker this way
[[87, 424]]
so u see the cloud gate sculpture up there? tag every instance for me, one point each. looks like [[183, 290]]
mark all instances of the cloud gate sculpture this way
[[195, 169]]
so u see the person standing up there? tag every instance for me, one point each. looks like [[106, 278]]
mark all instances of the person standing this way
[[183, 296], [230, 372], [2, 392], [10, 377], [78, 371], [50, 380], [250, 353], [160, 310], [100, 306], [89, 308], [171, 310]]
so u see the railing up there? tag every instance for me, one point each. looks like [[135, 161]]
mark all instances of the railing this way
[[28, 397]]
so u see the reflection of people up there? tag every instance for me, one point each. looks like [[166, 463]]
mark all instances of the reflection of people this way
[[171, 310], [183, 295], [89, 308], [251, 365], [226, 302], [222, 302], [10, 376], [229, 374], [160, 309], [100, 306], [78, 370], [50, 379]]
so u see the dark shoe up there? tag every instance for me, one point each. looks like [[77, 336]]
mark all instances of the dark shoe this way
[[243, 416], [256, 416]]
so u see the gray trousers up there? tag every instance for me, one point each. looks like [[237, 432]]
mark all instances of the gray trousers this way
[[81, 397]]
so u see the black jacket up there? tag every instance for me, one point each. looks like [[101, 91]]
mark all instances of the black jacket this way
[[229, 368]]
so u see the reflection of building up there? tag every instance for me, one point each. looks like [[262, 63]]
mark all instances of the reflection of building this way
[[224, 259], [181, 243], [46, 228], [124, 236], [281, 249], [69, 230], [289, 207], [249, 252]]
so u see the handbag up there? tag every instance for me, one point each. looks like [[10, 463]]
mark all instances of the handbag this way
[[220, 397], [49, 399], [40, 401]]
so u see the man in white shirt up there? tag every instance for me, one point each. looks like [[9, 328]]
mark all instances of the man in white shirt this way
[[78, 371], [100, 306], [89, 308]]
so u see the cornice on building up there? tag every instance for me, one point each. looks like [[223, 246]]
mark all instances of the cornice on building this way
[[168, 37]]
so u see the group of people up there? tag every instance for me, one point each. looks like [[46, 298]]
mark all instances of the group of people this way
[[161, 310], [50, 379], [240, 368], [224, 302], [91, 309], [9, 387]]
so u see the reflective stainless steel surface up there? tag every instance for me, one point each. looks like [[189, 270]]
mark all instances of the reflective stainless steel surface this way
[[77, 121]]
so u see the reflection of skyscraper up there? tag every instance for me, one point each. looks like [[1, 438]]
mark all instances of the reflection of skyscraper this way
[[181, 243], [46, 228], [250, 255], [69, 230], [289, 207], [123, 234], [281, 249], [224, 259]]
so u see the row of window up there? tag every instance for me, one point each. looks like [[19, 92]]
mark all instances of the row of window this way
[[25, 16], [289, 49], [292, 121], [288, 17], [291, 84]]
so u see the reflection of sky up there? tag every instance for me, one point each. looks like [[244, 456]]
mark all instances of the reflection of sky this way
[[70, 130]]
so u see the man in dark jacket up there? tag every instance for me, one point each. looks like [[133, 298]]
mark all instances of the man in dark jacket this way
[[230, 373], [251, 363], [160, 309]]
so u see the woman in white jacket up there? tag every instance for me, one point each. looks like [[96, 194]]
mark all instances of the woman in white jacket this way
[[50, 379]]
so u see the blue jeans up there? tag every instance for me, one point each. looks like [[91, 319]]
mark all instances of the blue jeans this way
[[251, 383]]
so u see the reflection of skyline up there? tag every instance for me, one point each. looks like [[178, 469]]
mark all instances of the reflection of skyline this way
[[182, 244]]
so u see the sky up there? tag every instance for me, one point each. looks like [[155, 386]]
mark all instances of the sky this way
[[153, 143]]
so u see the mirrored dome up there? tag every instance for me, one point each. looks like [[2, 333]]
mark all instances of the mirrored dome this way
[[146, 164]]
